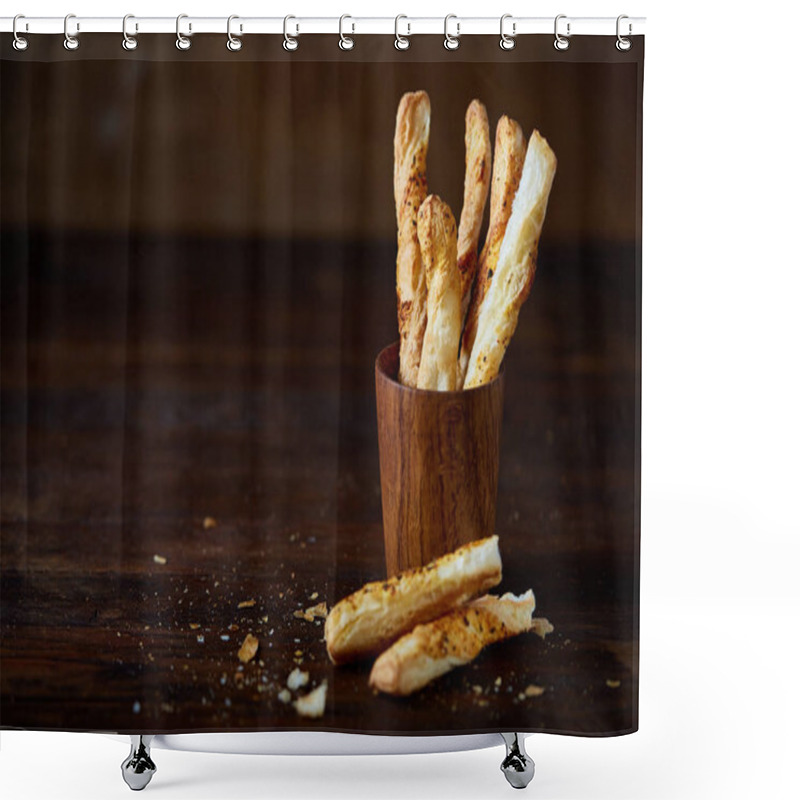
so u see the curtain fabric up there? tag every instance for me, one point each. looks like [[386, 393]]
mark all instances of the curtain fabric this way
[[198, 274]]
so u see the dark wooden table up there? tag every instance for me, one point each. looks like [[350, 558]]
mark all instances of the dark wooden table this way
[[150, 383]]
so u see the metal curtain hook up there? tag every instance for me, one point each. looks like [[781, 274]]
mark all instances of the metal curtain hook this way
[[71, 42], [234, 42], [289, 42], [20, 42], [129, 42], [507, 42], [623, 44], [182, 42], [451, 42], [345, 42], [561, 42], [401, 42]]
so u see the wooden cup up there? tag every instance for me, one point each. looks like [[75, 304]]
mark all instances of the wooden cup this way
[[439, 458]]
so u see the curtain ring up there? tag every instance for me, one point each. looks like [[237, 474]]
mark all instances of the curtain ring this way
[[182, 42], [128, 42], [345, 42], [289, 42], [20, 42], [401, 42], [234, 43], [623, 43], [70, 42], [561, 42], [507, 42], [451, 42]]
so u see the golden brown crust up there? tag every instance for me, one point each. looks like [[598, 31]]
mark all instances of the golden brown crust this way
[[368, 620], [455, 639], [509, 156], [516, 265], [477, 139], [438, 367], [410, 189]]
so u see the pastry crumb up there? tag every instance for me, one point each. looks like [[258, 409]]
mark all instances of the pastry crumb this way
[[247, 603], [248, 649], [613, 684], [534, 691], [313, 703], [159, 559], [296, 679], [311, 613], [209, 522], [541, 626], [284, 695]]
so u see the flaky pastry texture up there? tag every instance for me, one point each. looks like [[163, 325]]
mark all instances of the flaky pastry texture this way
[[455, 639], [438, 367], [367, 621], [509, 156], [516, 265], [411, 135], [478, 163]]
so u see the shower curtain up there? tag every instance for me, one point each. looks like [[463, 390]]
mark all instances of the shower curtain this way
[[201, 263]]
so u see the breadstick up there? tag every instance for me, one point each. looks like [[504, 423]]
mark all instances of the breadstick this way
[[476, 190], [438, 366], [509, 155], [451, 641], [516, 265], [410, 189], [370, 619]]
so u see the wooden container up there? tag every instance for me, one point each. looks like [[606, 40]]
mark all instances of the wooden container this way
[[439, 458]]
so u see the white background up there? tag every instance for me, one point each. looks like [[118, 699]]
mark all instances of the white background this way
[[720, 441]]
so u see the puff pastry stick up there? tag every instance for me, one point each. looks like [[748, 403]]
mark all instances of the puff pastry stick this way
[[370, 619], [509, 155], [478, 143], [516, 265], [451, 641], [438, 366], [411, 134]]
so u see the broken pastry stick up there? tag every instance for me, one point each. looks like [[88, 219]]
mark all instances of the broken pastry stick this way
[[370, 619], [451, 641], [516, 265], [509, 156], [476, 190], [410, 189], [438, 367]]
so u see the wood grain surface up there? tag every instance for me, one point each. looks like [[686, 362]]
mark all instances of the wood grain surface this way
[[189, 425], [439, 458]]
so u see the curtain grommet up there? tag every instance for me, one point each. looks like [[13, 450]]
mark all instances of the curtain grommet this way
[[623, 44], [20, 43], [346, 42], [401, 42], [451, 42], [234, 43], [182, 42], [290, 43], [507, 42], [71, 42], [129, 42], [561, 42]]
